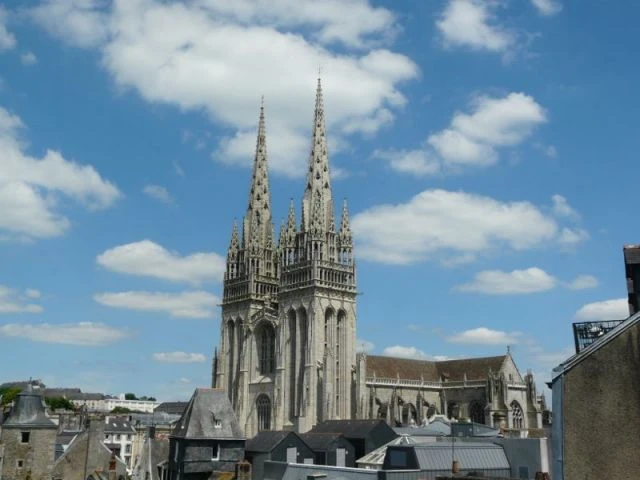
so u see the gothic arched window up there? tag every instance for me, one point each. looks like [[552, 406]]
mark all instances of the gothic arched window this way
[[476, 412], [266, 337], [263, 407], [230, 353], [517, 415]]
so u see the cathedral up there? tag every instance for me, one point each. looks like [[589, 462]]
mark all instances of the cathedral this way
[[287, 355]]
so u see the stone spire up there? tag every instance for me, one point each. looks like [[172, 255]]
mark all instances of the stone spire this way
[[317, 203], [234, 245], [257, 228], [345, 226]]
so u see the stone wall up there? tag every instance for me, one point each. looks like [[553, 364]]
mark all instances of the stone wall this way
[[36, 456], [601, 414]]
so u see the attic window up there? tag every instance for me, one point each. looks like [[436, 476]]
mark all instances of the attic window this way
[[20, 463], [24, 438]]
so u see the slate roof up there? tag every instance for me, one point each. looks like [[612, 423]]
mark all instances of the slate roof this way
[[28, 411], [155, 418], [376, 457], [171, 407], [409, 369], [198, 420], [118, 425], [348, 428], [320, 441], [471, 455], [266, 440], [296, 471]]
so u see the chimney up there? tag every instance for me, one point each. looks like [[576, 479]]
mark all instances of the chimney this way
[[112, 467]]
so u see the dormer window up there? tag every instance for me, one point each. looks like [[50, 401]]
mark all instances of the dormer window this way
[[216, 423], [25, 436]]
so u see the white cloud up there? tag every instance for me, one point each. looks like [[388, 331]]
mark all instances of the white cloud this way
[[14, 301], [28, 58], [192, 55], [158, 192], [83, 333], [432, 220], [561, 208], [547, 7], [363, 345], [472, 24], [81, 23], [473, 139], [485, 336], [416, 162], [572, 236], [582, 282], [30, 187], [148, 259], [614, 309], [178, 169], [405, 352], [193, 304], [496, 282], [178, 357], [7, 39]]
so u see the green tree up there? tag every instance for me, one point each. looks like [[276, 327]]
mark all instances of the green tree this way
[[130, 396], [8, 394], [55, 403], [119, 410]]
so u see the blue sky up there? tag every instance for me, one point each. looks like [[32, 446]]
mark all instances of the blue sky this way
[[486, 149]]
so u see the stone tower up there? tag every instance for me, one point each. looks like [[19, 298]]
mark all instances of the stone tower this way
[[317, 299], [249, 319], [287, 345], [29, 439]]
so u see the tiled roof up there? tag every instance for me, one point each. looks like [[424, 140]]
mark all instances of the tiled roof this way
[[409, 369], [208, 405], [118, 425], [28, 412], [171, 407]]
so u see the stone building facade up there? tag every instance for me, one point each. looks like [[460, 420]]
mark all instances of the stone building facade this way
[[287, 355], [289, 311], [28, 438]]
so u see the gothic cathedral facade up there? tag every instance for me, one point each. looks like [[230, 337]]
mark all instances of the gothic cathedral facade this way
[[287, 355]]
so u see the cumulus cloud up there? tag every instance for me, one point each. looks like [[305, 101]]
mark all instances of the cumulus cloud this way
[[158, 192], [148, 259], [614, 309], [7, 39], [405, 352], [432, 220], [561, 208], [28, 58], [472, 24], [191, 304], [472, 139], [15, 301], [547, 7], [582, 282], [83, 333], [178, 357], [496, 282], [30, 187], [485, 336], [216, 47]]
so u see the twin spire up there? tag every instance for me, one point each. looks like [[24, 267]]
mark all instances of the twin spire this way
[[317, 203]]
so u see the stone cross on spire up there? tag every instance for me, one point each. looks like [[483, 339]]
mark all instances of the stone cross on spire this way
[[317, 203], [257, 222]]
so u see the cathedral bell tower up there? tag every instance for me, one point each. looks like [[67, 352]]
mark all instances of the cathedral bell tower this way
[[249, 308], [317, 299]]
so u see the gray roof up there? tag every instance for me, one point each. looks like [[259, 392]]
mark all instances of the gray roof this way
[[321, 441], [118, 425], [376, 457], [595, 346], [349, 428], [266, 440], [155, 418], [28, 411], [206, 407], [171, 407], [471, 455], [296, 471]]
